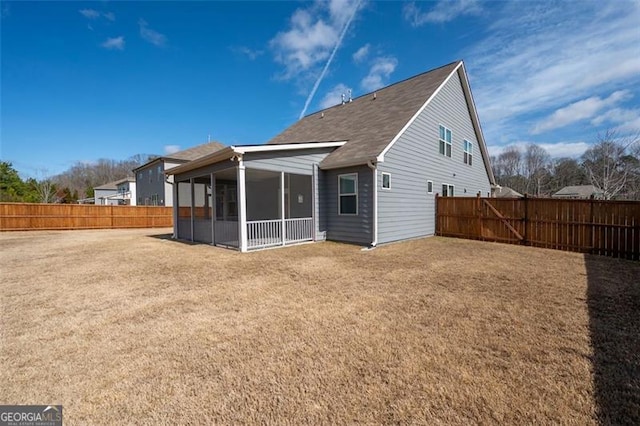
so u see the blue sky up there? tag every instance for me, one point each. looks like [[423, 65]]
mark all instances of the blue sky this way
[[87, 80]]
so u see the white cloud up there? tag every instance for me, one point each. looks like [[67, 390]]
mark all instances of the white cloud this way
[[361, 54], [580, 110], [94, 14], [555, 150], [170, 149], [150, 35], [313, 34], [443, 11], [621, 119], [252, 54], [115, 43], [334, 96], [89, 13], [565, 149], [539, 56], [379, 73]]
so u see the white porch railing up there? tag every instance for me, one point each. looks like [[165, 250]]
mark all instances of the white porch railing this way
[[264, 233], [268, 233], [300, 229]]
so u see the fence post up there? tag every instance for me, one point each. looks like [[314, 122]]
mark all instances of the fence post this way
[[437, 213], [525, 234], [591, 226], [480, 231]]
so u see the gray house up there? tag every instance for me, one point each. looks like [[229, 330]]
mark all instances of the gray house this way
[[366, 171], [152, 187]]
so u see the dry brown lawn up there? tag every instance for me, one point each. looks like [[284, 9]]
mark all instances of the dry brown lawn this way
[[123, 327]]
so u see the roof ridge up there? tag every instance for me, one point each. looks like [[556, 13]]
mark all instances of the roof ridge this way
[[387, 87]]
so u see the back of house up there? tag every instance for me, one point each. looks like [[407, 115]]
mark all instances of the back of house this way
[[366, 171]]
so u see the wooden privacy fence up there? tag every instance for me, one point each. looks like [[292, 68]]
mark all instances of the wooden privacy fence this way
[[610, 228], [27, 216]]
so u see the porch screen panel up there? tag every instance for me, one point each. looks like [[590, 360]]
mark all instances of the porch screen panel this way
[[202, 209], [298, 201], [184, 210]]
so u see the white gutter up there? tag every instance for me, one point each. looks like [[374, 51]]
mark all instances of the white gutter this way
[[374, 168]]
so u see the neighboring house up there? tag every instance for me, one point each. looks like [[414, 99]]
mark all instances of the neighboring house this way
[[102, 193], [506, 192], [579, 191], [127, 191], [153, 187], [366, 171], [119, 192]]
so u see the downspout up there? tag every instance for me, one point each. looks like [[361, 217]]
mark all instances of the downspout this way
[[373, 166]]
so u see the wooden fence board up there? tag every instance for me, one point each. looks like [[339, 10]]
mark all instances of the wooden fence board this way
[[27, 216], [609, 228]]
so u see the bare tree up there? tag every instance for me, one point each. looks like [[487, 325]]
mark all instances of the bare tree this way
[[608, 163], [536, 168]]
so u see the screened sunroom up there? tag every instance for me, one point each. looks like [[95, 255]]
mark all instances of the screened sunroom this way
[[249, 198]]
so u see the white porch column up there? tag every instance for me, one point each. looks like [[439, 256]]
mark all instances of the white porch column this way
[[176, 207], [314, 202], [284, 239], [242, 213], [193, 208]]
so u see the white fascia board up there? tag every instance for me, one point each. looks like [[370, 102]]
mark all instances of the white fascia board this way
[[476, 124], [231, 151], [285, 147], [380, 157], [214, 157]]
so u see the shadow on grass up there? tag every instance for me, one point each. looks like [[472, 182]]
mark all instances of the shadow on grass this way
[[613, 297], [169, 237]]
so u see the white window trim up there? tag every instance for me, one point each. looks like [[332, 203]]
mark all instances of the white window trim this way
[[450, 188], [382, 181], [429, 192], [445, 141], [470, 153], [340, 195]]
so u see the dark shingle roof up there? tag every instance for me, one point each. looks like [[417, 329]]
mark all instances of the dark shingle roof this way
[[195, 152], [368, 124], [186, 155]]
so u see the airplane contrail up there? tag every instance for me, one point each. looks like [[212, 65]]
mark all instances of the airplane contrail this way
[[326, 66]]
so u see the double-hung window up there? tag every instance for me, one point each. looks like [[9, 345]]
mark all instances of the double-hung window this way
[[348, 194], [445, 141], [447, 190], [468, 152]]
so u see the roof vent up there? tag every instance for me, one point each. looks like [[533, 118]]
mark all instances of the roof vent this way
[[322, 115], [374, 96], [350, 98], [342, 96]]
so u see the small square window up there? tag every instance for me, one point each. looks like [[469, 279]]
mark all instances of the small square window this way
[[429, 187], [386, 180]]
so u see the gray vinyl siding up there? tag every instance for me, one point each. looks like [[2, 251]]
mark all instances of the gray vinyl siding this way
[[299, 162], [354, 229], [145, 189], [406, 210]]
